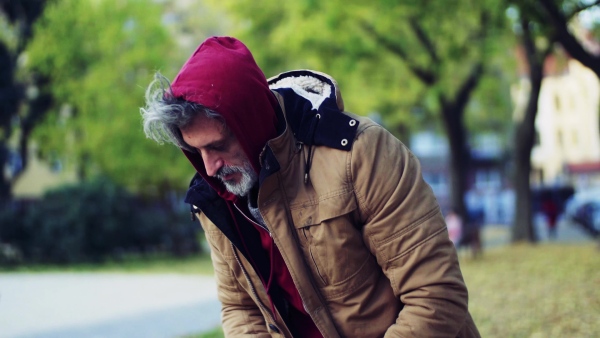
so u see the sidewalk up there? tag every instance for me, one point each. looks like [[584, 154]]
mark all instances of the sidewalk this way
[[106, 305], [566, 232]]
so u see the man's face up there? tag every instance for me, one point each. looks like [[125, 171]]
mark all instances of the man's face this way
[[222, 154]]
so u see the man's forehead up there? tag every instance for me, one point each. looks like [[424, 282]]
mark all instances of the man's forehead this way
[[207, 128], [202, 122]]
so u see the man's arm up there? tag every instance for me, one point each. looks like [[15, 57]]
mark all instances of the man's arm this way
[[239, 313], [405, 230]]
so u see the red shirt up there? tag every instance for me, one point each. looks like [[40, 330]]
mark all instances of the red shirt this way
[[299, 319]]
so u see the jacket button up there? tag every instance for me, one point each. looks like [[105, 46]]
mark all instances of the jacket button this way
[[352, 123], [344, 142], [273, 328]]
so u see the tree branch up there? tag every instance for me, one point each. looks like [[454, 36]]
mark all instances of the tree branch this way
[[465, 91], [425, 75], [567, 40], [424, 39], [582, 7], [529, 45]]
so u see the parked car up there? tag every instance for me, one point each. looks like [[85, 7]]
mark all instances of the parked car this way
[[584, 208]]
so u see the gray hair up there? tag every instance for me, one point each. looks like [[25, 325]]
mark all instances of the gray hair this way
[[164, 114]]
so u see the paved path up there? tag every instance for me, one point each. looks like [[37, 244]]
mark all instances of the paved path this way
[[106, 305], [566, 232]]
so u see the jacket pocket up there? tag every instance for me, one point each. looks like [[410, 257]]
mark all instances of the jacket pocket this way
[[330, 239]]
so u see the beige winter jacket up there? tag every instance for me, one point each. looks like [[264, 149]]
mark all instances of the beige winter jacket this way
[[364, 240]]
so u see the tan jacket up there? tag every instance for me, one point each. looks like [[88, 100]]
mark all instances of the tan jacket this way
[[364, 241]]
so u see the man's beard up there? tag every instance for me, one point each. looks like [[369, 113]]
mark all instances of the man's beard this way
[[246, 182]]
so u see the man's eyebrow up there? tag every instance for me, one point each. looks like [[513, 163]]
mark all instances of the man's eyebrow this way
[[220, 142], [215, 144]]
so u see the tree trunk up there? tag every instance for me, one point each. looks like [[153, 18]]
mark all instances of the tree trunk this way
[[5, 186], [460, 157], [523, 223], [36, 110], [9, 103], [523, 229]]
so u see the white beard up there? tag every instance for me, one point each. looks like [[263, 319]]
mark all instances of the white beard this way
[[247, 181]]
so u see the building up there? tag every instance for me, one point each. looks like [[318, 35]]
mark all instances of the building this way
[[39, 177], [567, 149]]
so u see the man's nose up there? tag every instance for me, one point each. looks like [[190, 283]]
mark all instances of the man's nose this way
[[212, 164]]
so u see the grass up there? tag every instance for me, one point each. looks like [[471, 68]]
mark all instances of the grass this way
[[215, 333], [548, 290], [199, 264]]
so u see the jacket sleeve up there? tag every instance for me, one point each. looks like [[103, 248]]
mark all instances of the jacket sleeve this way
[[405, 230], [240, 315]]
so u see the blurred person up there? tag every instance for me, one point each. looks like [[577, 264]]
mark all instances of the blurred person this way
[[473, 224], [550, 211], [454, 224], [319, 222]]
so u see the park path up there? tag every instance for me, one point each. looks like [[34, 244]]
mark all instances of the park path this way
[[566, 232], [85, 305]]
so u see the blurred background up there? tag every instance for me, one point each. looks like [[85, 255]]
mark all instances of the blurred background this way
[[498, 99]]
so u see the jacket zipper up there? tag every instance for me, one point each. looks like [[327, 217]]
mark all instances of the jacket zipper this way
[[260, 303], [253, 222], [286, 263]]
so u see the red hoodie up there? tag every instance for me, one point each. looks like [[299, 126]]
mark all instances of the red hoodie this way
[[223, 76]]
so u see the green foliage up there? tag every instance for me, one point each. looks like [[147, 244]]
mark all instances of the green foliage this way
[[337, 37], [94, 221], [99, 57]]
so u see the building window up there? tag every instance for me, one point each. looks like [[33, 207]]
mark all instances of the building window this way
[[559, 138]]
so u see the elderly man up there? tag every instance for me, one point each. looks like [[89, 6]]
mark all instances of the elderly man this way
[[319, 222]]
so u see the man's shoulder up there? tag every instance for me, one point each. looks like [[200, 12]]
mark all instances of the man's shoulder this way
[[314, 110], [200, 193]]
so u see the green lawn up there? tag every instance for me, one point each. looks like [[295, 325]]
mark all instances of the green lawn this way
[[199, 264], [548, 290], [216, 333]]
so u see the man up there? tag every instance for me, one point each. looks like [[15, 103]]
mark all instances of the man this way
[[319, 221]]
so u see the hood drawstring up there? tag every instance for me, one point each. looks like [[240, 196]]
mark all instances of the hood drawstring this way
[[308, 162]]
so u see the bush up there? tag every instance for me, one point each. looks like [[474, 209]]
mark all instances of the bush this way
[[93, 221]]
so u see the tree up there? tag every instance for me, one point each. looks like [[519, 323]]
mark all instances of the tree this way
[[523, 229], [390, 56], [540, 25], [98, 57], [556, 16], [19, 17]]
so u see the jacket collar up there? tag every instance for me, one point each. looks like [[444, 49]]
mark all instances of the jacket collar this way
[[312, 109]]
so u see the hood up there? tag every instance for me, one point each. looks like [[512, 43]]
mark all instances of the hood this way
[[314, 109], [223, 76], [313, 86]]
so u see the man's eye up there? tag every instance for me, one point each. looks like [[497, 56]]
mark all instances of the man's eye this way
[[218, 147]]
